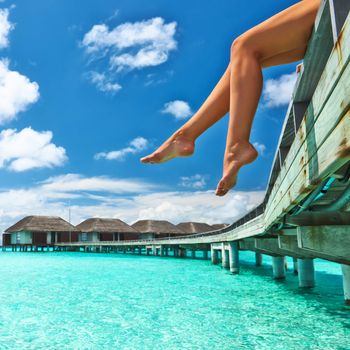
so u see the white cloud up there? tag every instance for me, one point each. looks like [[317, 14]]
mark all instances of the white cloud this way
[[132, 46], [153, 39], [261, 148], [103, 83], [196, 181], [5, 27], [29, 149], [127, 199], [202, 206], [179, 109], [73, 183], [135, 146], [17, 92], [278, 92]]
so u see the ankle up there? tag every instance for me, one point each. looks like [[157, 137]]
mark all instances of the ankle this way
[[237, 146], [185, 135], [240, 151]]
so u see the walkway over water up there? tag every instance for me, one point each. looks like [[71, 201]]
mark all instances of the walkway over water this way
[[305, 213]]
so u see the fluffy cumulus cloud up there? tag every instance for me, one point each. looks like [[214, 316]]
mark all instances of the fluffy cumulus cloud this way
[[196, 182], [135, 146], [103, 82], [131, 46], [153, 39], [17, 92], [29, 149], [127, 199], [278, 92], [179, 109], [201, 206], [5, 27]]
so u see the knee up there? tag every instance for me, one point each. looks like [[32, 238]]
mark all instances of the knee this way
[[244, 46]]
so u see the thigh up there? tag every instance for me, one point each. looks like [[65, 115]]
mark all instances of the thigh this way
[[284, 57], [286, 31]]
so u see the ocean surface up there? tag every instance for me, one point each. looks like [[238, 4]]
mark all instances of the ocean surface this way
[[115, 301]]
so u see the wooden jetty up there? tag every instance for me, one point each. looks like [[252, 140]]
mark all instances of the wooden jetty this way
[[305, 213]]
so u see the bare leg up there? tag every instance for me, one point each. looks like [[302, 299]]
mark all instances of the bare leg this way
[[288, 30], [181, 143]]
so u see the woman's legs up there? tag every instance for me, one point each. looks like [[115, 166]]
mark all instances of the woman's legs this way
[[288, 30], [181, 143], [281, 39]]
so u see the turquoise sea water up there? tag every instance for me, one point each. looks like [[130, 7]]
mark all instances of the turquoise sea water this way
[[113, 301]]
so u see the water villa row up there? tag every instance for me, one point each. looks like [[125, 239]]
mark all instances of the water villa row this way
[[37, 232]]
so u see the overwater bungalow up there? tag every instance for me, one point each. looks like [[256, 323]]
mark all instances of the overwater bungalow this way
[[194, 227], [150, 229], [99, 229], [40, 231]]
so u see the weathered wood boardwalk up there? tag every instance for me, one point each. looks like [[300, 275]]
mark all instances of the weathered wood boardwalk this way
[[305, 213]]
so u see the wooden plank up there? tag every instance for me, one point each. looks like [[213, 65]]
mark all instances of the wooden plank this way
[[339, 11], [271, 246], [247, 244], [338, 60], [328, 242], [305, 147], [320, 46], [290, 244], [333, 153]]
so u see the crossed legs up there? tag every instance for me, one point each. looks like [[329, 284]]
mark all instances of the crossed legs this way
[[280, 39]]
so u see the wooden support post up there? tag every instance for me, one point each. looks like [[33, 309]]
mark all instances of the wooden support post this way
[[166, 251], [176, 251], [346, 283], [224, 257], [214, 255], [193, 253], [154, 250], [258, 259], [234, 257], [278, 267], [182, 252], [295, 266], [306, 273], [161, 251], [205, 254]]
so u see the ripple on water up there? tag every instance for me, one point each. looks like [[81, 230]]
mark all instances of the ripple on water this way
[[100, 301]]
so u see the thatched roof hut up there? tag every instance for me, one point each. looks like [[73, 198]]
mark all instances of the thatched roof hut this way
[[105, 225], [219, 226], [194, 227], [35, 223], [157, 227]]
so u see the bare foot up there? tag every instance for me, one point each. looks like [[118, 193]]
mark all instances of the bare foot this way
[[240, 154], [176, 146]]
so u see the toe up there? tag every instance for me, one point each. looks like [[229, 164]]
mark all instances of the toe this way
[[221, 188], [153, 158], [147, 159]]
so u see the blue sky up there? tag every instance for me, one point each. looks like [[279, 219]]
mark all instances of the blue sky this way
[[87, 87]]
